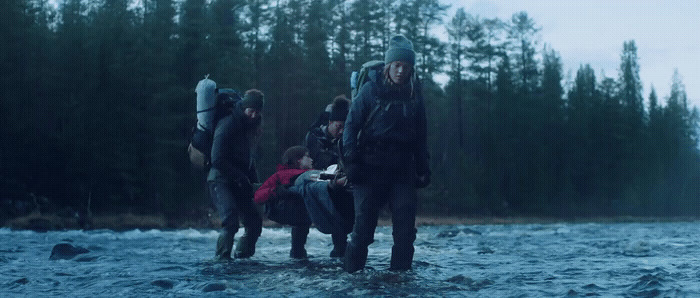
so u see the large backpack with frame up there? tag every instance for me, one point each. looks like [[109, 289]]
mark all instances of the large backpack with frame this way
[[212, 104]]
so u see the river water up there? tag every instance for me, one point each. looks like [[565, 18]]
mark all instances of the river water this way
[[515, 260]]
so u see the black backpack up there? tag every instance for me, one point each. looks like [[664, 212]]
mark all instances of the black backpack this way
[[212, 104]]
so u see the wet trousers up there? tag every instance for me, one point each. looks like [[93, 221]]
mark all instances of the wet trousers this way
[[234, 204], [369, 199]]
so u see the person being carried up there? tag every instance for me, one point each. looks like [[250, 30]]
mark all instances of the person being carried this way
[[296, 196], [232, 173]]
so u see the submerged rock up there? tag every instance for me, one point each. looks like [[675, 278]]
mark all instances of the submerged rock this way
[[473, 285], [454, 232], [214, 287], [448, 234], [469, 231], [163, 283], [460, 279], [86, 259], [65, 251]]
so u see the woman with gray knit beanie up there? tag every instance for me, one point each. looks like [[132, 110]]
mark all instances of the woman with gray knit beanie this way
[[386, 155]]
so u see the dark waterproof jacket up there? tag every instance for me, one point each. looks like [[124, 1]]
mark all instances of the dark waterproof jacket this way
[[231, 158], [323, 148], [392, 146]]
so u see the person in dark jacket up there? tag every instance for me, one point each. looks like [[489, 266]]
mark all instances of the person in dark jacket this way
[[388, 161], [322, 140], [295, 196], [232, 174]]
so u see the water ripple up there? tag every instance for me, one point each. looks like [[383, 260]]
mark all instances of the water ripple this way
[[631, 259]]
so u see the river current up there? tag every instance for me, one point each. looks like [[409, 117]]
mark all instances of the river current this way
[[513, 260]]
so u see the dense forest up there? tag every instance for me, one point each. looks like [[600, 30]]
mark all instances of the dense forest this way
[[97, 106]]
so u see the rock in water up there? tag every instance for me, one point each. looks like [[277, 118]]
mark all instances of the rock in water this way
[[215, 287], [164, 283], [65, 251]]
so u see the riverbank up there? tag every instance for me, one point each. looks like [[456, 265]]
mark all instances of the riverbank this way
[[128, 221]]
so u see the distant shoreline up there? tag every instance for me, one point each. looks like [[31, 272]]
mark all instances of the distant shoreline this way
[[120, 222]]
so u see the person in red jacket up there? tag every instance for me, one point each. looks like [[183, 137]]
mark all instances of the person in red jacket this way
[[295, 161], [294, 196]]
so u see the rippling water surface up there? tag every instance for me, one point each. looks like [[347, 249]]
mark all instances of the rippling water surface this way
[[626, 259]]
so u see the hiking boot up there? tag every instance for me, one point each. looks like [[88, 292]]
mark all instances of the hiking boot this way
[[340, 242], [401, 258], [245, 248], [355, 258], [223, 246], [299, 253], [298, 242]]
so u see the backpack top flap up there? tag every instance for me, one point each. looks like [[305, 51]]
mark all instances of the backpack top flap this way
[[371, 70]]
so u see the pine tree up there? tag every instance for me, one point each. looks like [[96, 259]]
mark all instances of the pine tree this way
[[227, 59], [366, 29], [75, 71], [634, 121], [523, 36], [317, 57], [283, 71], [191, 38], [457, 31], [340, 47], [430, 49], [581, 147], [256, 40]]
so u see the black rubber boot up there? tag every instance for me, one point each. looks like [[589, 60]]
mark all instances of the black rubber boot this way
[[299, 235], [224, 245], [245, 248], [401, 258], [355, 258], [340, 242]]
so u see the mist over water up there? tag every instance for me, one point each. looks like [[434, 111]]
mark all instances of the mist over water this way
[[625, 259]]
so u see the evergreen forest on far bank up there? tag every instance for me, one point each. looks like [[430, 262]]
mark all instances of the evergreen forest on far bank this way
[[97, 104]]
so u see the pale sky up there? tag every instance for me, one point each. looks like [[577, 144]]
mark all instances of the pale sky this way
[[667, 35]]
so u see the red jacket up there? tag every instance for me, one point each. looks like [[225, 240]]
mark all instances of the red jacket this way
[[283, 176]]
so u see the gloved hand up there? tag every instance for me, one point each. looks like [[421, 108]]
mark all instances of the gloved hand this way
[[423, 181]]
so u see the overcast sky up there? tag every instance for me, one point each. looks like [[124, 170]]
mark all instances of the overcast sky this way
[[667, 35]]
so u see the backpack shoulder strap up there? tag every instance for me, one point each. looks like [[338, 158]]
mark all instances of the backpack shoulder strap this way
[[372, 113]]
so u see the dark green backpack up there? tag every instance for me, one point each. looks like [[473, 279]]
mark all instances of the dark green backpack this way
[[371, 70]]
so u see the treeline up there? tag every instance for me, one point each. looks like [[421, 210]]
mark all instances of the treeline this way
[[98, 103]]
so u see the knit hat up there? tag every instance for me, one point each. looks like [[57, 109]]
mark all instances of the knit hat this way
[[293, 154], [253, 98], [400, 49], [340, 108]]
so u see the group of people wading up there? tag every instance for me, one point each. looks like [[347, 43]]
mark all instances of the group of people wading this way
[[339, 189]]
